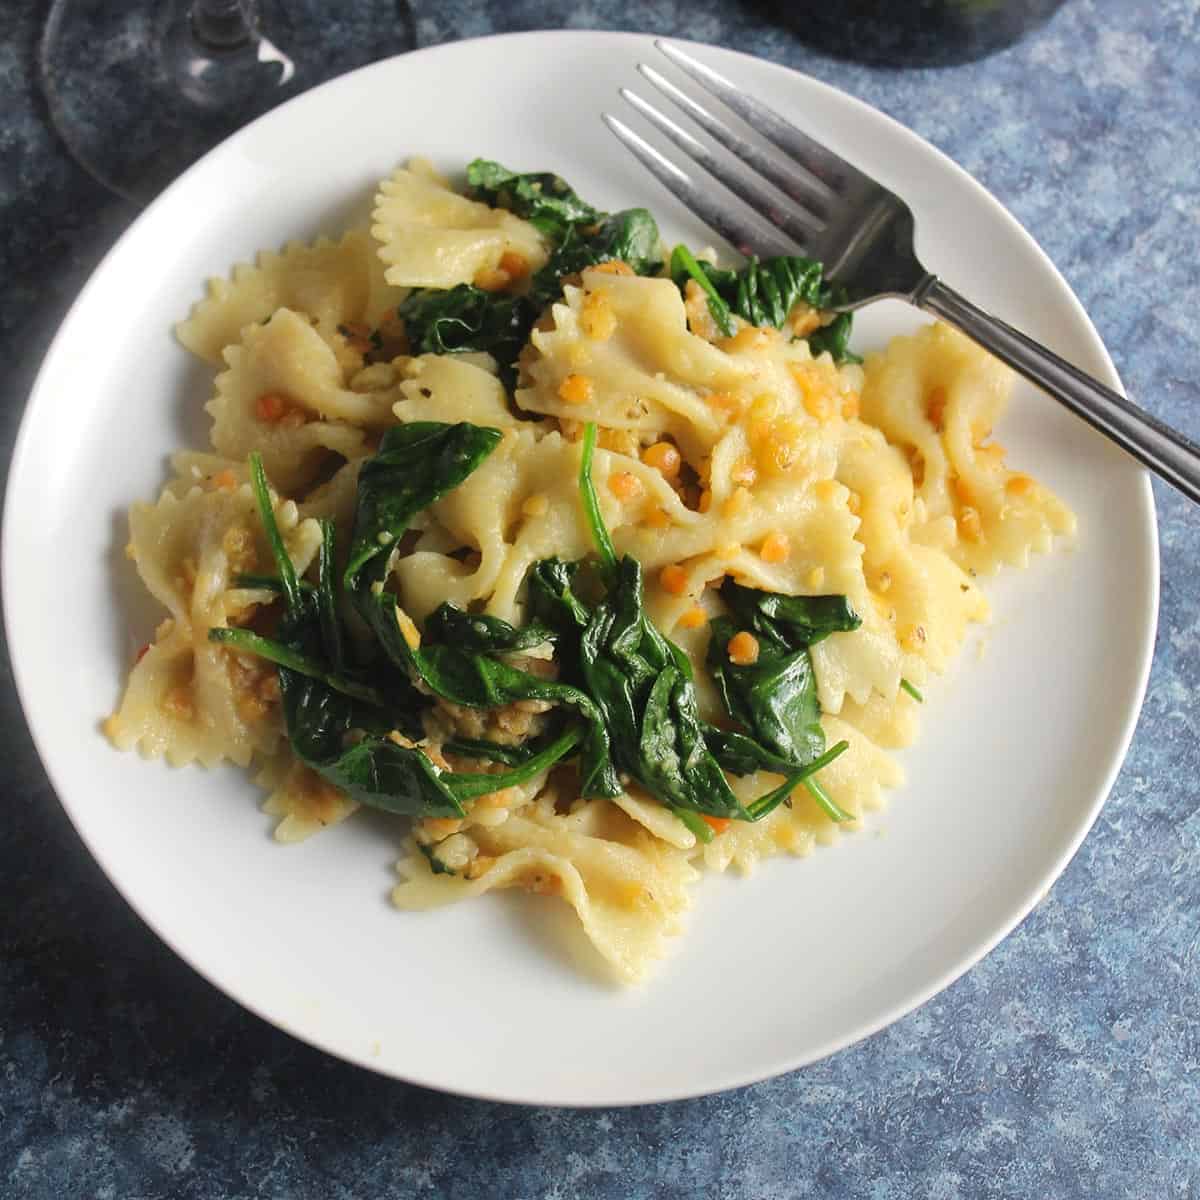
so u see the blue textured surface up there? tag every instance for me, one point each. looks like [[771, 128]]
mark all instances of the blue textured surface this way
[[1067, 1064]]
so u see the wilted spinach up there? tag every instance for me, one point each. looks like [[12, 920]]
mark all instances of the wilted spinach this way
[[475, 679], [510, 755], [325, 713], [479, 632], [417, 463], [338, 720], [774, 698], [764, 293], [789, 620], [467, 318], [542, 198], [625, 700], [686, 266], [642, 682], [834, 338], [630, 236]]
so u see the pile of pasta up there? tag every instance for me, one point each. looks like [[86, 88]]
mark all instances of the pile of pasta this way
[[880, 482]]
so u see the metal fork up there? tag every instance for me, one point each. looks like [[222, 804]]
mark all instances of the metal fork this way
[[817, 204]]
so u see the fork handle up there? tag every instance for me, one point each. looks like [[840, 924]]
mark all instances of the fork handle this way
[[1169, 454]]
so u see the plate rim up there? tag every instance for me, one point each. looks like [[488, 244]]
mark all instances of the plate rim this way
[[785, 1064]]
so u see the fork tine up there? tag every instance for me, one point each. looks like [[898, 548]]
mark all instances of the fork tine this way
[[806, 190], [700, 200], [798, 225], [819, 161]]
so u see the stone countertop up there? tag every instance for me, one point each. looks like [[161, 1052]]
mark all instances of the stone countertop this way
[[1066, 1064]]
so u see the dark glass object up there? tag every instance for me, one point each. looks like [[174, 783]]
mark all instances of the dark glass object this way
[[915, 33]]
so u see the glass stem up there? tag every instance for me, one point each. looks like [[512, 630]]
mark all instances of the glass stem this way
[[223, 24]]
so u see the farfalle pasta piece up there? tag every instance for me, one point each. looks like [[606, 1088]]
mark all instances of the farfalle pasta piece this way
[[520, 505], [433, 386], [646, 373], [282, 395], [927, 599], [890, 722], [303, 801], [332, 283], [335, 499], [938, 395], [202, 469], [620, 353], [430, 236], [628, 889], [190, 699]]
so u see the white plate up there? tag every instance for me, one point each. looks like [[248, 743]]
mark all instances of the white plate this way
[[489, 998]]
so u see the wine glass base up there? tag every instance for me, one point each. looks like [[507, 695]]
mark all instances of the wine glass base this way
[[136, 97]]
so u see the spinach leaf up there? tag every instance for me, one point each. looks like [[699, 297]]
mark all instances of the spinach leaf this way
[[324, 711], [675, 762], [467, 786], [742, 755], [808, 776], [630, 236], [639, 681], [543, 199], [789, 621], [765, 292], [331, 629], [614, 653], [552, 599], [774, 698], [288, 583], [374, 770], [466, 318], [268, 583], [478, 632], [295, 661], [475, 680], [554, 602], [403, 780], [460, 674], [834, 338], [510, 755], [591, 503], [415, 465], [350, 747]]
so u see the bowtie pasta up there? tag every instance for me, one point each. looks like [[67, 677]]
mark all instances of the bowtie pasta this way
[[600, 563]]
